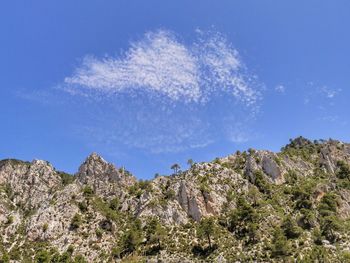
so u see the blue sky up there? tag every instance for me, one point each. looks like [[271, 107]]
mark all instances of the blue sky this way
[[149, 83]]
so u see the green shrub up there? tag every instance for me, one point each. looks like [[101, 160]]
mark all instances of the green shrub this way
[[328, 205], [343, 170], [42, 256], [261, 183], [290, 228], [88, 191], [83, 207], [76, 221], [155, 232], [114, 204], [8, 191], [280, 245], [79, 259], [242, 221], [317, 254], [308, 218], [66, 179], [130, 240], [170, 194], [105, 209], [10, 220], [330, 225], [45, 227], [99, 232], [5, 258], [302, 197]]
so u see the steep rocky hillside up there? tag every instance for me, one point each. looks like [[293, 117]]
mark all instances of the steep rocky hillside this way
[[254, 206]]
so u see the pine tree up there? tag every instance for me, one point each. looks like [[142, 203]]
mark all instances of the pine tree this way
[[207, 229]]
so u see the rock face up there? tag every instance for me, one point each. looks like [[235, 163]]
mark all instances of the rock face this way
[[271, 168], [267, 163], [31, 184], [90, 212], [103, 176]]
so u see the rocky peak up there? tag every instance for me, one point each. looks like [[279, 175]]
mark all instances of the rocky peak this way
[[100, 174], [29, 183], [95, 167]]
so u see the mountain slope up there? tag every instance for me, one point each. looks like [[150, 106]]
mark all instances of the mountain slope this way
[[252, 206]]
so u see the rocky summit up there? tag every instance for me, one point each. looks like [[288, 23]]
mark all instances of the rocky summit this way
[[252, 206]]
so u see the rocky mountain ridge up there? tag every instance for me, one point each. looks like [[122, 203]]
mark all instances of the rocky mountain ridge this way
[[251, 206]]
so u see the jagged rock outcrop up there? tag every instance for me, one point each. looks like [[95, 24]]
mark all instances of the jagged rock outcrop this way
[[30, 184], [103, 176], [267, 162]]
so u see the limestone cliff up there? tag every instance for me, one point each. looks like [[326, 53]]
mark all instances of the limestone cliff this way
[[93, 214]]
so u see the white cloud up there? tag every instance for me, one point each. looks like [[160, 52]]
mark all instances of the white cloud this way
[[160, 64], [329, 92], [321, 91], [280, 88], [166, 95]]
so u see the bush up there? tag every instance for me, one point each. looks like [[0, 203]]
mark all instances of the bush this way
[[130, 241], [242, 221], [79, 259], [66, 179], [83, 206], [45, 227], [99, 233], [170, 194], [105, 209], [76, 221], [343, 170], [328, 205], [329, 226], [317, 254], [308, 218], [8, 191], [155, 232], [290, 228], [42, 257], [10, 220], [261, 183], [114, 204], [5, 258], [135, 190], [88, 191], [280, 245], [145, 185], [302, 195]]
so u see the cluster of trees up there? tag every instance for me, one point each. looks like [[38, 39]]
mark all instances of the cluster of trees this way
[[330, 223], [66, 179], [138, 188], [343, 170], [177, 168], [243, 221], [151, 236], [52, 256], [261, 183]]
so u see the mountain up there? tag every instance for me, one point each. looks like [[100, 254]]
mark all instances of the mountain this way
[[252, 206]]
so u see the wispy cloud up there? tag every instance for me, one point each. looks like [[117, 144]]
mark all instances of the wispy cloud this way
[[321, 101], [328, 92], [323, 94], [165, 94], [161, 64], [280, 88]]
